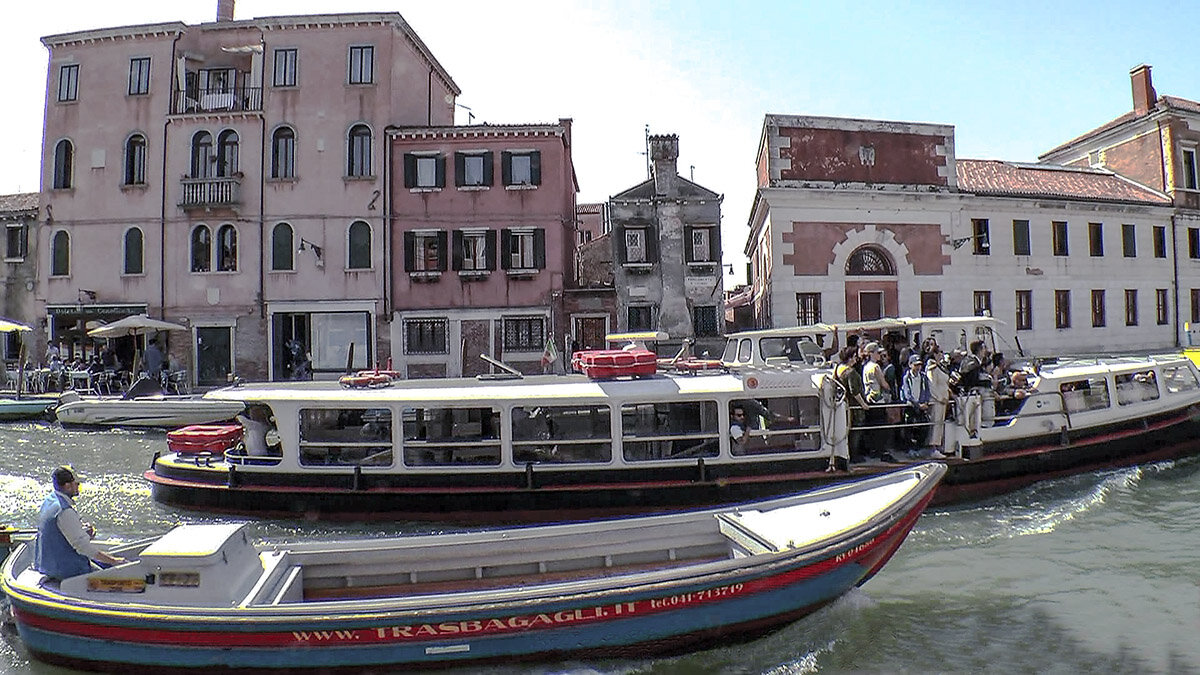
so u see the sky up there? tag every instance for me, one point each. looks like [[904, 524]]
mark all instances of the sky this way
[[1015, 78]]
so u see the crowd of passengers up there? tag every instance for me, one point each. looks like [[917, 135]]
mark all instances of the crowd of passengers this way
[[899, 394]]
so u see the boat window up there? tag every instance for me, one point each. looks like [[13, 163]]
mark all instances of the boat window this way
[[687, 429], [730, 351], [1178, 378], [451, 436], [1136, 387], [346, 437], [1087, 394], [561, 434], [744, 350], [779, 424]]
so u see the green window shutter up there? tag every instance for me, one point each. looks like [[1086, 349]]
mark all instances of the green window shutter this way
[[535, 168], [456, 258], [490, 240], [441, 239], [410, 249], [410, 170], [539, 248]]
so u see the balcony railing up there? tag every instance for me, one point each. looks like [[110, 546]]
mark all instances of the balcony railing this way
[[196, 192], [225, 99]]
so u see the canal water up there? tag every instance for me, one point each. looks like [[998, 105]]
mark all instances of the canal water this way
[[1098, 573]]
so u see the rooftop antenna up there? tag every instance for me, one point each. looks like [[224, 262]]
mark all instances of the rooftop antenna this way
[[470, 115], [649, 175], [692, 173]]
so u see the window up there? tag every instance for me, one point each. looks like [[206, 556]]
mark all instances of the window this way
[[1195, 305], [201, 249], [1062, 309], [1179, 378], [931, 303], [64, 164], [983, 303], [684, 430], [702, 244], [68, 83], [561, 434], [1059, 237], [359, 437], [202, 155], [424, 251], [139, 76], [789, 424], [808, 308], [227, 153], [60, 254], [521, 168], [1189, 161], [704, 321], [1024, 310], [1021, 237], [1098, 317], [524, 334], [285, 68], [362, 65], [1160, 306], [523, 249], [425, 336], [135, 160], [472, 169], [639, 245], [424, 171], [1136, 387], [451, 436], [1160, 241], [980, 239], [358, 248], [133, 251], [227, 249], [283, 153], [17, 241], [1084, 395], [1193, 243], [1096, 239], [641, 317], [358, 151], [870, 261], [282, 254], [1128, 241], [473, 250], [1131, 310]]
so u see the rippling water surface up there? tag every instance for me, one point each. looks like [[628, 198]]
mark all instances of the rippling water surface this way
[[1099, 573]]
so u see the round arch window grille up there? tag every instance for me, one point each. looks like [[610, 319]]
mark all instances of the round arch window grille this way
[[870, 261]]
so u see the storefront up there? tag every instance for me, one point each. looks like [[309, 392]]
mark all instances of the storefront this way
[[68, 326], [320, 340]]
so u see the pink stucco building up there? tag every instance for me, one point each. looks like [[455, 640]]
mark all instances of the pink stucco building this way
[[231, 176]]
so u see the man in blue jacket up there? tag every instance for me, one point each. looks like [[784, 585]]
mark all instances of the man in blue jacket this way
[[64, 545]]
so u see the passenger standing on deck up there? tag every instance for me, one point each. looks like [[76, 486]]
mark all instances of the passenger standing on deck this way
[[64, 545], [878, 394], [937, 367], [850, 379]]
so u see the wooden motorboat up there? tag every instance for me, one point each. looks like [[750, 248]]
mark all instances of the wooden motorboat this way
[[209, 596], [160, 411]]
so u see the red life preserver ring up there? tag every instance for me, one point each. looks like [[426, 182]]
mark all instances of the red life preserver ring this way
[[370, 380]]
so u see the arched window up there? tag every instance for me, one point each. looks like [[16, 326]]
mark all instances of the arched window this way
[[60, 254], [201, 249], [202, 155], [227, 249], [283, 153], [227, 153], [282, 254], [359, 248], [358, 151], [64, 164], [133, 251], [135, 160], [870, 261]]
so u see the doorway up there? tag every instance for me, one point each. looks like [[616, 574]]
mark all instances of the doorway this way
[[870, 305], [589, 332], [214, 355]]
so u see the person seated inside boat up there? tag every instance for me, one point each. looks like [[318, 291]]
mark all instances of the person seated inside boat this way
[[64, 546], [1013, 393], [256, 423], [739, 429]]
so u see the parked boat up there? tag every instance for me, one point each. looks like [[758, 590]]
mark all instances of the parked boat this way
[[27, 408], [206, 596], [553, 447], [160, 411]]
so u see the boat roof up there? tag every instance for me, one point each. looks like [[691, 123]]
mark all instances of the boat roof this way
[[892, 323]]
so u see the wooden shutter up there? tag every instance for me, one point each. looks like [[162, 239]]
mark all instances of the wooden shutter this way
[[460, 170], [441, 240], [487, 170], [651, 245], [688, 246], [410, 170], [618, 240], [490, 242], [535, 167], [714, 244], [456, 250], [506, 169], [440, 179], [539, 248], [505, 248], [410, 248]]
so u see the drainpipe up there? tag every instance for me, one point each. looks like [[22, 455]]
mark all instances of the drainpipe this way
[[262, 191], [1175, 273], [387, 226], [162, 230], [429, 100]]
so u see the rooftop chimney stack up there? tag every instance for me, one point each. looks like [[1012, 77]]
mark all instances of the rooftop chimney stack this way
[[664, 152], [225, 10], [1144, 96]]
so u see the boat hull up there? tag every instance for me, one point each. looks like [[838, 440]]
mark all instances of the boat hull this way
[[25, 409], [163, 413], [637, 620]]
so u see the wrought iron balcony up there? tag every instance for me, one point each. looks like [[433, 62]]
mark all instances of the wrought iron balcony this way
[[223, 99], [202, 192]]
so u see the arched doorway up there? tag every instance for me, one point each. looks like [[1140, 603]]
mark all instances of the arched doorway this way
[[872, 298]]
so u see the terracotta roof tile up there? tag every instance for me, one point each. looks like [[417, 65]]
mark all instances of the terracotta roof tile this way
[[1164, 102], [22, 201], [1053, 181]]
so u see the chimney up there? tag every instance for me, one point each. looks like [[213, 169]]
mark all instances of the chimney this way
[[1144, 96], [664, 151], [224, 10]]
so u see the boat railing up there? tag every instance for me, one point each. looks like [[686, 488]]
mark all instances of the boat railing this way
[[241, 457]]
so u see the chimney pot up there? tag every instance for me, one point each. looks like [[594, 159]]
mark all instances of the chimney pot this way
[[1144, 96], [664, 152], [225, 10]]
